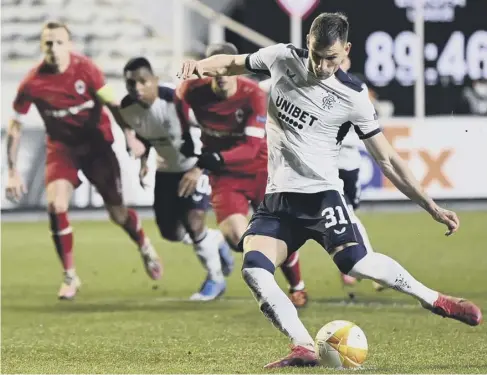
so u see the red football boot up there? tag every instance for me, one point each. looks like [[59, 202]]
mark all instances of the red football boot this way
[[458, 309]]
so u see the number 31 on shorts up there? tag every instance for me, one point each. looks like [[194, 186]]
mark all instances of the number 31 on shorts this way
[[330, 214]]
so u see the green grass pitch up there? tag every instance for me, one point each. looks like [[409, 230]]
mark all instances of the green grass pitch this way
[[122, 323]]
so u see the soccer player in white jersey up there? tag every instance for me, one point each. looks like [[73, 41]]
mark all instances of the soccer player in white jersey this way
[[182, 190], [311, 99], [349, 160]]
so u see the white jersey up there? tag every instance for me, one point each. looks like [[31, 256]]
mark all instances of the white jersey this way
[[308, 119], [349, 157], [160, 126]]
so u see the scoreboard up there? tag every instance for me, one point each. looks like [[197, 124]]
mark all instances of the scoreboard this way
[[384, 45]]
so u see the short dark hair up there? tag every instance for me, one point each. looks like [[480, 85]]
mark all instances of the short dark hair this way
[[221, 49], [51, 25], [136, 63], [327, 28]]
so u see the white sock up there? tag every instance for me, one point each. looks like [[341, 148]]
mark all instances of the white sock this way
[[70, 273], [386, 271], [206, 248], [187, 239], [276, 306], [217, 235], [298, 287]]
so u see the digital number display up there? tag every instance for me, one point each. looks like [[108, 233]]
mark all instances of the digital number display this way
[[391, 58]]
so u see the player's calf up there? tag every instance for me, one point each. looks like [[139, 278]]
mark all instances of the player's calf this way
[[196, 226], [258, 273], [59, 193], [129, 221], [206, 246], [226, 257], [62, 236], [232, 228]]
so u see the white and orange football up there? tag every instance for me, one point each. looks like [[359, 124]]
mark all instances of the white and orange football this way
[[341, 344]]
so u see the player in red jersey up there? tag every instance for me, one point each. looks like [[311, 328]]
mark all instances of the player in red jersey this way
[[232, 114], [69, 92]]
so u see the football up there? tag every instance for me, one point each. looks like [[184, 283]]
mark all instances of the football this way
[[341, 344]]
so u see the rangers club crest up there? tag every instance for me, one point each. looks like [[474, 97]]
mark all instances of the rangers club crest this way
[[80, 87], [329, 101]]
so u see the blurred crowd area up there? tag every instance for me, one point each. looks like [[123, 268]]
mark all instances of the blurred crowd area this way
[[109, 31]]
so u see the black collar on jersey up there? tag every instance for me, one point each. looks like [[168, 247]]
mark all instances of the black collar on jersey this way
[[301, 52]]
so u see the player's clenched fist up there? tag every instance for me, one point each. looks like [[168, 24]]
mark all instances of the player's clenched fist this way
[[15, 187], [447, 217], [189, 68]]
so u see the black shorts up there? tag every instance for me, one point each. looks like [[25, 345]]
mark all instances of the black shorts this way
[[169, 208], [297, 217], [351, 186]]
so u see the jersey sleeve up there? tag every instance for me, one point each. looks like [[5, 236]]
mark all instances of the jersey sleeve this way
[[255, 126], [22, 101], [254, 131], [183, 107], [124, 109], [191, 143], [262, 60], [364, 117], [98, 85]]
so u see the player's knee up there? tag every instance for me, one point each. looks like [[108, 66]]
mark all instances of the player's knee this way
[[347, 258], [57, 206], [170, 232], [232, 236], [232, 228], [255, 259], [233, 241]]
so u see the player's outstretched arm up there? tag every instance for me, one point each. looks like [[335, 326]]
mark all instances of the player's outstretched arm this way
[[15, 187], [135, 146], [217, 65], [106, 96], [401, 176]]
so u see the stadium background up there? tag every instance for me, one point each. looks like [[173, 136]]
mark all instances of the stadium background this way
[[437, 147]]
